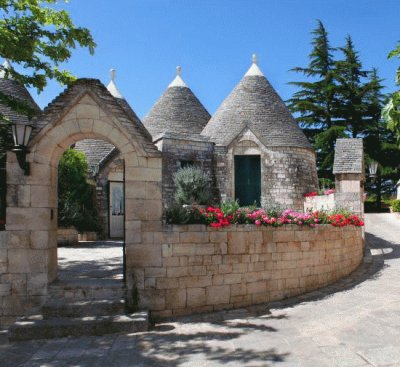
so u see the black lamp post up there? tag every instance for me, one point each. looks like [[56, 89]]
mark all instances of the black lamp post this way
[[376, 179], [21, 134]]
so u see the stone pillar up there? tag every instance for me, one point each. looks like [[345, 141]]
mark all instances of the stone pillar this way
[[349, 172], [28, 249]]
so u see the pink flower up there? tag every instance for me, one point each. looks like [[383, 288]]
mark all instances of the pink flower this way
[[257, 222]]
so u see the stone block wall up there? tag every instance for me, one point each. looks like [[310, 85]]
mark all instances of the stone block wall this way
[[22, 286], [189, 269], [67, 236]]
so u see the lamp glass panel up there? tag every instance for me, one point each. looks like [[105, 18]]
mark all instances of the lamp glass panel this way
[[373, 167], [20, 134], [28, 130], [14, 133]]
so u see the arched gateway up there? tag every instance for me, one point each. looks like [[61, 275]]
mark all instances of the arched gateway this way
[[85, 110]]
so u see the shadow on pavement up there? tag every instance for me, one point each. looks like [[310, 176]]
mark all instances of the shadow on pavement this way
[[209, 347], [389, 250]]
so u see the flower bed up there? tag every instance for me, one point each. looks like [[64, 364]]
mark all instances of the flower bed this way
[[217, 217]]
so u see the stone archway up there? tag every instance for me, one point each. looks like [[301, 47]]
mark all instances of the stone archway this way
[[85, 110]]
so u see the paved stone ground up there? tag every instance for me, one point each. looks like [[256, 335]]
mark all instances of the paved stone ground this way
[[353, 323], [90, 260]]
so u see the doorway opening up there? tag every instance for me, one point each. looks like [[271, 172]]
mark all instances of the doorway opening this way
[[248, 179], [92, 208]]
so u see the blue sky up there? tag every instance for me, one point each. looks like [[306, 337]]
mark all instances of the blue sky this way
[[213, 41]]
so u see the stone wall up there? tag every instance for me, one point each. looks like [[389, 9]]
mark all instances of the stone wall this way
[[192, 268], [67, 236]]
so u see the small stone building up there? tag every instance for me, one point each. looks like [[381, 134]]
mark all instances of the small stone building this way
[[348, 169], [175, 123], [252, 148], [261, 155]]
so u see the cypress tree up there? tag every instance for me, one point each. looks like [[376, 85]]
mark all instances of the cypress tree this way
[[315, 104], [352, 91]]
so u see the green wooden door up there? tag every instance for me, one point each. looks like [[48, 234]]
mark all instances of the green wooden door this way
[[248, 179]]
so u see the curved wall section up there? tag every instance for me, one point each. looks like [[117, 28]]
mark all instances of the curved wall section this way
[[194, 268]]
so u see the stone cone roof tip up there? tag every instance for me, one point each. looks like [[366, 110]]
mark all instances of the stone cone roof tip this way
[[255, 104], [112, 88], [114, 91], [178, 81], [254, 69], [177, 111]]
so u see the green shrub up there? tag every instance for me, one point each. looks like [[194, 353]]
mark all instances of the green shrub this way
[[192, 186], [177, 214], [76, 193], [230, 206], [395, 204]]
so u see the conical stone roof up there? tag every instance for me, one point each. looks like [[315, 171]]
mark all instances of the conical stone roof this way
[[114, 91], [13, 89], [177, 111], [254, 104]]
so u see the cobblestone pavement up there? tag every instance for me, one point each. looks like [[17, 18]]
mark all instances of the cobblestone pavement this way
[[353, 323]]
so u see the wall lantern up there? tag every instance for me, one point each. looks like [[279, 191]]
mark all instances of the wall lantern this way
[[21, 134], [373, 168]]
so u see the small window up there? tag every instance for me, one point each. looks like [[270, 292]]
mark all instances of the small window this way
[[185, 164]]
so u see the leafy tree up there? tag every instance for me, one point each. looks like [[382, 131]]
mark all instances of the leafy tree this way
[[315, 103], [76, 193], [391, 112], [38, 36]]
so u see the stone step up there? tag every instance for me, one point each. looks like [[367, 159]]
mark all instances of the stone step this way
[[87, 290], [35, 327], [71, 308]]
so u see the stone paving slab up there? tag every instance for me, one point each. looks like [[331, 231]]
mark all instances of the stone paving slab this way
[[353, 323]]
